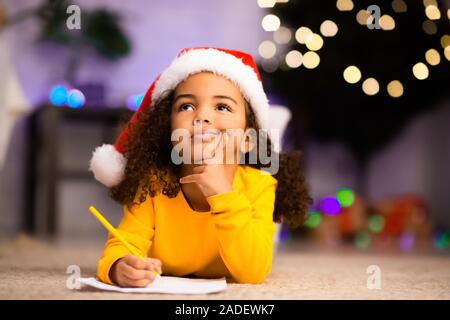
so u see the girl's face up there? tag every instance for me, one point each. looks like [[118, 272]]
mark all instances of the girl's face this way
[[213, 101]]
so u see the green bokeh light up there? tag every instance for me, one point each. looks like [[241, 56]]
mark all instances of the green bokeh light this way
[[345, 197], [376, 223], [313, 220], [363, 240]]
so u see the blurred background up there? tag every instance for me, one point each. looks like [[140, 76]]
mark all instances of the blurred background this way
[[361, 87]]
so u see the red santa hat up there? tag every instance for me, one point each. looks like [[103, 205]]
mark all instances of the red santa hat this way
[[108, 162]]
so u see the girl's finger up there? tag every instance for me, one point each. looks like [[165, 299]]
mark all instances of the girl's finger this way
[[192, 178]]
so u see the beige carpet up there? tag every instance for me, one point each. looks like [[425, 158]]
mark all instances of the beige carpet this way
[[31, 269]]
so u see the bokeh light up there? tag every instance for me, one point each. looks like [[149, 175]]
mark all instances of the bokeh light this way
[[266, 3], [407, 241], [58, 95], [345, 197], [344, 5], [311, 60], [267, 49], [387, 23], [352, 74], [363, 17], [270, 22], [75, 99], [432, 12], [370, 86], [429, 27], [313, 220], [375, 223], [362, 240], [420, 71], [395, 89], [134, 101], [314, 42], [328, 28], [282, 36], [442, 240], [294, 59], [399, 6], [330, 205], [303, 34], [432, 56]]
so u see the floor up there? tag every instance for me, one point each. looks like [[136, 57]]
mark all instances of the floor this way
[[32, 269]]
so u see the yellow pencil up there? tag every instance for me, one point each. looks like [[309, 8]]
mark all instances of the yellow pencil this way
[[117, 234]]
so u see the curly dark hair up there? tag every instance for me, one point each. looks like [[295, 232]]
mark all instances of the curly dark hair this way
[[149, 167]]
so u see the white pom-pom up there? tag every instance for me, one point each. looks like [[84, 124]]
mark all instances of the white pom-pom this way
[[108, 165]]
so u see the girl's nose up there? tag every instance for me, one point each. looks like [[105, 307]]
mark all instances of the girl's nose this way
[[199, 121]]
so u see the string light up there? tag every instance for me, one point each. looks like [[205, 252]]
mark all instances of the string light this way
[[267, 49], [370, 86], [328, 28], [432, 56], [352, 74], [271, 22], [311, 60], [420, 71], [294, 59], [395, 89]]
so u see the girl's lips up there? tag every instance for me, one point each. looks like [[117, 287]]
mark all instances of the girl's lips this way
[[205, 137]]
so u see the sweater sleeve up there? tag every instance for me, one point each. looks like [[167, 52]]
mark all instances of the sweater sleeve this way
[[137, 227], [245, 230]]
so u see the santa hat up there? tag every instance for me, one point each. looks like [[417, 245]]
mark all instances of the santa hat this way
[[108, 162]]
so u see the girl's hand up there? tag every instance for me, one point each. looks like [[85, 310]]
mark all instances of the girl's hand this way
[[131, 271], [211, 178]]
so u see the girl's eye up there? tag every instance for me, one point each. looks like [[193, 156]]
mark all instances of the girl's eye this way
[[223, 107], [185, 107]]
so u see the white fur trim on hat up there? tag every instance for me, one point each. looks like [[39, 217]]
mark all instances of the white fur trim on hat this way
[[108, 165], [222, 63]]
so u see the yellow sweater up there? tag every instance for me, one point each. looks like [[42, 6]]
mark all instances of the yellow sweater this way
[[234, 239]]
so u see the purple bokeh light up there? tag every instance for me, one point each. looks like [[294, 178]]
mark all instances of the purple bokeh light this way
[[329, 205]]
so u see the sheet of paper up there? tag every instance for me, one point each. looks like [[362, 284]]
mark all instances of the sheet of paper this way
[[174, 285]]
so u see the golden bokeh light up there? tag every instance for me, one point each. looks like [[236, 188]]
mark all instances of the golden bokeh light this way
[[395, 89], [370, 86], [420, 71], [311, 60], [387, 22], [432, 12], [344, 5], [447, 53], [352, 74], [427, 3], [314, 42], [328, 28], [294, 59], [445, 41], [270, 22], [363, 17], [302, 34], [433, 57]]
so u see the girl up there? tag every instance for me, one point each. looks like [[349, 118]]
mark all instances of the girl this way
[[203, 216]]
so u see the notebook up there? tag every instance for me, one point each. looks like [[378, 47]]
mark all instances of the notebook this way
[[173, 285]]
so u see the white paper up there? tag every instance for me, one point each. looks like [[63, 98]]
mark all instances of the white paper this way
[[174, 285]]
